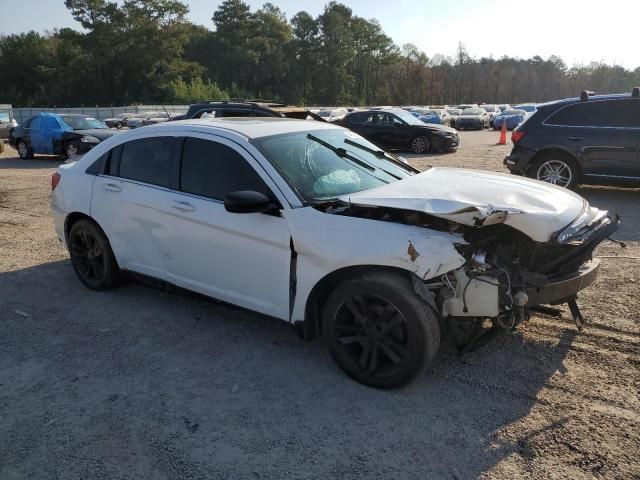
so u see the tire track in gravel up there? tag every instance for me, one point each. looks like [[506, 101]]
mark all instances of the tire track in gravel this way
[[550, 395], [608, 344]]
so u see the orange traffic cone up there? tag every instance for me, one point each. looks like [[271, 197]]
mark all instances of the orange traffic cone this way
[[503, 134]]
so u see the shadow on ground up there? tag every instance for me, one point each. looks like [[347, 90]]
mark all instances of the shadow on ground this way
[[39, 161], [137, 383]]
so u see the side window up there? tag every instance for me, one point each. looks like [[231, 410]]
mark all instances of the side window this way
[[361, 118], [384, 120], [27, 123], [237, 113], [96, 167], [113, 161], [634, 112], [36, 123], [205, 114], [395, 120], [604, 113], [148, 160], [51, 124], [213, 170]]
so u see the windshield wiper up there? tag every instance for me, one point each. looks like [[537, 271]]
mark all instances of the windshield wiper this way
[[379, 154], [341, 152]]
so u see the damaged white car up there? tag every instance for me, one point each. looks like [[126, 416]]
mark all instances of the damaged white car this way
[[312, 224]]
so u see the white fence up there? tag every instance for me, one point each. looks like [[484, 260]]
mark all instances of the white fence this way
[[21, 114]]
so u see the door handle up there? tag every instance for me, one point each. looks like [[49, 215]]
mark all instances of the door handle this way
[[183, 206], [111, 187], [575, 139]]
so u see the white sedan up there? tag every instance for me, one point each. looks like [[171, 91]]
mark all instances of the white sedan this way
[[312, 224]]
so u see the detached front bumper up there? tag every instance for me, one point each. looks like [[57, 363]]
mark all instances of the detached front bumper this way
[[565, 288]]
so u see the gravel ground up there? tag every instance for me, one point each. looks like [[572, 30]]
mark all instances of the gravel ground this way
[[139, 383]]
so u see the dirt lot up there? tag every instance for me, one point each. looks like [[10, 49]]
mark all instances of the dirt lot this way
[[138, 383]]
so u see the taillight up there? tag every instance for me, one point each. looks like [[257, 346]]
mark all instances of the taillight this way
[[517, 135], [55, 179]]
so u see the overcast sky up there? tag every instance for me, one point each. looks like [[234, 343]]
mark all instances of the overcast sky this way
[[580, 31]]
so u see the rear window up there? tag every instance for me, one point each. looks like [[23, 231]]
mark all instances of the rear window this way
[[149, 160], [604, 113]]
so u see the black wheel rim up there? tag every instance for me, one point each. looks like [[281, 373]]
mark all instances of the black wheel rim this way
[[372, 334], [88, 256], [419, 145]]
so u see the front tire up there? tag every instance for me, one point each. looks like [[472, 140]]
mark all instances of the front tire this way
[[71, 150], [420, 144], [119, 125], [556, 169], [24, 152], [92, 257], [379, 331]]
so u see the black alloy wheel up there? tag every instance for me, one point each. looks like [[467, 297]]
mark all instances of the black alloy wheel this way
[[379, 331], [91, 256]]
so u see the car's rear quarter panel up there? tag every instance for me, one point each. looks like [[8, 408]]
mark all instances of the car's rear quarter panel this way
[[72, 194]]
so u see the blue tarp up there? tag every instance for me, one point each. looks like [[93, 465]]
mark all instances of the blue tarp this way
[[46, 129]]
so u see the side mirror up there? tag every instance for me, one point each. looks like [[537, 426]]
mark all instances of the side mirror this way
[[245, 201]]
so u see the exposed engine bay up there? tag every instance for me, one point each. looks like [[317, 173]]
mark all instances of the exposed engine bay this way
[[506, 274]]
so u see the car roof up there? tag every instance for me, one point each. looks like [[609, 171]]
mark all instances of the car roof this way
[[568, 101], [249, 127]]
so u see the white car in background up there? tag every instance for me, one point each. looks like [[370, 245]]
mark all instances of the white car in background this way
[[148, 118], [310, 223], [333, 114]]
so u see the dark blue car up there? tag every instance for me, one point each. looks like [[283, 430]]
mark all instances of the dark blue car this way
[[58, 134]]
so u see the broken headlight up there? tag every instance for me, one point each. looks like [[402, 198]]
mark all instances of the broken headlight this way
[[579, 229]]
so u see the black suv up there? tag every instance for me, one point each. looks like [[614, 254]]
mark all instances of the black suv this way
[[246, 108], [399, 130], [594, 139]]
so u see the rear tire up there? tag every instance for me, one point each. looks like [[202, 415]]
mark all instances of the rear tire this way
[[555, 168], [119, 125], [420, 144], [24, 152], [92, 257], [379, 331]]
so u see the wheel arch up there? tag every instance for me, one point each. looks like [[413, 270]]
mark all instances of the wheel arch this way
[[73, 218], [311, 326], [554, 151], [428, 136]]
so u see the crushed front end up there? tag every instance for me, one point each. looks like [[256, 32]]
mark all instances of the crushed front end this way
[[507, 275]]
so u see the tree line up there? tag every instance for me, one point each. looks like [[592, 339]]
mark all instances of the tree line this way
[[146, 51]]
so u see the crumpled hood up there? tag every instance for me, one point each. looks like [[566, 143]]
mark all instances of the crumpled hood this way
[[470, 117], [477, 198]]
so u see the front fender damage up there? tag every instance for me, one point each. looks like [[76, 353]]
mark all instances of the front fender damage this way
[[430, 257]]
